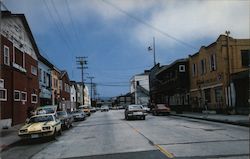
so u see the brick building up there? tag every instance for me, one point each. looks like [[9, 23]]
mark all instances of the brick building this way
[[19, 86]]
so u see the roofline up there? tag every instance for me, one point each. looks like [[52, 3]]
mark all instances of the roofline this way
[[26, 26]]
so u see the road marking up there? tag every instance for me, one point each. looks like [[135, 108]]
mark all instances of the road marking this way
[[164, 151]]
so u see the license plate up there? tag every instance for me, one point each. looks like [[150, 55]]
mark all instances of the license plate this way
[[137, 113], [34, 136]]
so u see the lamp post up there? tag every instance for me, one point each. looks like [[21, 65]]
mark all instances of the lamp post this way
[[150, 48]]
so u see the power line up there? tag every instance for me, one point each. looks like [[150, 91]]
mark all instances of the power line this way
[[149, 25]]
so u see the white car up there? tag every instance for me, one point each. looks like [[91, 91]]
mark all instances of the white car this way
[[104, 108]]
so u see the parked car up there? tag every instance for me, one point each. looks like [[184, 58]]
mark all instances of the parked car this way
[[85, 109], [160, 109], [104, 108], [78, 115], [146, 108], [45, 125], [135, 111], [47, 109], [92, 109], [65, 118]]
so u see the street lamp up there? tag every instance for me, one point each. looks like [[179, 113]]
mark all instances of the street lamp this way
[[150, 48]]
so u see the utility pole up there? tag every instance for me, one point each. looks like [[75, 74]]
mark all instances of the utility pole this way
[[229, 92], [91, 88], [82, 62], [150, 49]]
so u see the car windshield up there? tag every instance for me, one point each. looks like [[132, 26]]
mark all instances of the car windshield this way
[[61, 113], [133, 107], [45, 111], [161, 106], [38, 119], [76, 111]]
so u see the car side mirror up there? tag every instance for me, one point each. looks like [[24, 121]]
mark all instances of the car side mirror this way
[[27, 121]]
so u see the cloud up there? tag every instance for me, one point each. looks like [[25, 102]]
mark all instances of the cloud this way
[[194, 20]]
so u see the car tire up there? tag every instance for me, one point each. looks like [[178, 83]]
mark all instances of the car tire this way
[[143, 118], [54, 134], [60, 132]]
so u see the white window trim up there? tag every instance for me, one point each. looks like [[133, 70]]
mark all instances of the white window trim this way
[[16, 91], [6, 47], [32, 70], [4, 99], [25, 96], [32, 98], [1, 83], [182, 68]]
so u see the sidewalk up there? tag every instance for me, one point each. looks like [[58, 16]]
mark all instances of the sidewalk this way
[[242, 120], [9, 136]]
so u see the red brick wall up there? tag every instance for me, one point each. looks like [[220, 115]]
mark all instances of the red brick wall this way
[[14, 79], [64, 94]]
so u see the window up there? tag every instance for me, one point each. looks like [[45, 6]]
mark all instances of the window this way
[[40, 74], [23, 96], [194, 69], [3, 94], [212, 62], [181, 68], [16, 95], [33, 98], [60, 85], [245, 58], [207, 95], [33, 70], [6, 55], [203, 67], [218, 94], [1, 83]]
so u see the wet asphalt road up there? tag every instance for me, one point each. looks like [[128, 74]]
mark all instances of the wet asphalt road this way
[[106, 135]]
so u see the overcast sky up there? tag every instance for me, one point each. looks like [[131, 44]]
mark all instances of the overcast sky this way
[[115, 34]]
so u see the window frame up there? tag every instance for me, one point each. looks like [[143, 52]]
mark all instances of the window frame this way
[[19, 92], [246, 60], [212, 62], [32, 68], [6, 97], [4, 55], [1, 83], [34, 95], [23, 100], [182, 68]]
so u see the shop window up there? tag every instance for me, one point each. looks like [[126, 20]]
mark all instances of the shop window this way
[[218, 94], [207, 93]]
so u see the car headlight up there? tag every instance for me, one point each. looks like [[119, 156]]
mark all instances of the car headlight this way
[[46, 128], [23, 130]]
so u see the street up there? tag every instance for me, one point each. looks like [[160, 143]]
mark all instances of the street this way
[[108, 135]]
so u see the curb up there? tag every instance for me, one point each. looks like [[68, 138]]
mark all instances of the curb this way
[[5, 147], [216, 120]]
